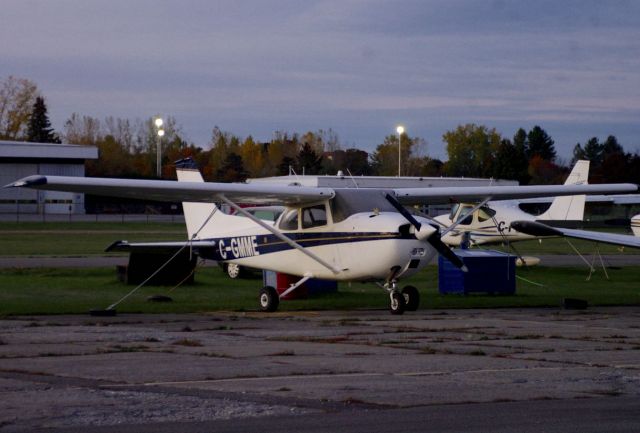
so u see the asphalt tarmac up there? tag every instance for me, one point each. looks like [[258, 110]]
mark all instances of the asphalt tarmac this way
[[490, 370]]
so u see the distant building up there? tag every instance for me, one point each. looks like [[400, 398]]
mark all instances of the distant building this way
[[20, 159]]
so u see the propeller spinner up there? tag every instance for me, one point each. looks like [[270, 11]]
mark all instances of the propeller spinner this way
[[428, 233]]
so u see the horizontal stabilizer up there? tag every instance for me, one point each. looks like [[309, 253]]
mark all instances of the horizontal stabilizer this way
[[157, 246]]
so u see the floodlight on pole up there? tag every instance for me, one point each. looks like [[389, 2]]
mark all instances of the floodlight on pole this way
[[400, 131], [160, 133]]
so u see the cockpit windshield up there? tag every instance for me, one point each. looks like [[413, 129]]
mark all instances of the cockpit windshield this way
[[351, 201], [464, 210]]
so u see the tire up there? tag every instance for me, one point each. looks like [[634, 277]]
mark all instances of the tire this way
[[233, 270], [411, 298], [269, 299], [396, 303]]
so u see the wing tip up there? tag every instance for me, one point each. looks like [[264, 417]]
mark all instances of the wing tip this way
[[30, 181]]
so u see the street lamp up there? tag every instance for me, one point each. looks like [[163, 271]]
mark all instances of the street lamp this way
[[400, 131], [160, 132]]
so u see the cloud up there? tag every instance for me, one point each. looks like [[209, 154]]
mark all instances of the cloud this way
[[356, 66]]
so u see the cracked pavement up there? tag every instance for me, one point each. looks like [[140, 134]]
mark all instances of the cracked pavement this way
[[74, 371]]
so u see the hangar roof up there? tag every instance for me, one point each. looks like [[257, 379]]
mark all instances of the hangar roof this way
[[23, 149]]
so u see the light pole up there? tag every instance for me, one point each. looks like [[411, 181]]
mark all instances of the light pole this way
[[160, 132], [400, 131]]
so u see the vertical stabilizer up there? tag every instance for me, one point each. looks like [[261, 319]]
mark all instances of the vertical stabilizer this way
[[570, 207], [195, 214]]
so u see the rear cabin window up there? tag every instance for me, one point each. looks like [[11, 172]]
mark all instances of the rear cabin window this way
[[485, 213]]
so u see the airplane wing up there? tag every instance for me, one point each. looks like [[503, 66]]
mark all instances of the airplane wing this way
[[436, 195], [538, 229], [613, 199], [167, 190]]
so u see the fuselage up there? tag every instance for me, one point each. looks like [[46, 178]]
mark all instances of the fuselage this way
[[489, 224], [363, 246]]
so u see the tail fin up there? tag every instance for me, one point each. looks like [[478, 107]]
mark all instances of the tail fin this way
[[195, 214], [570, 207], [205, 220]]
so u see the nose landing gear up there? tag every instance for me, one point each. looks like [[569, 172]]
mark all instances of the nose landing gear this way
[[400, 301]]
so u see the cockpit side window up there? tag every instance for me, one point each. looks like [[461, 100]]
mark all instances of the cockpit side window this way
[[314, 216], [485, 213], [289, 220]]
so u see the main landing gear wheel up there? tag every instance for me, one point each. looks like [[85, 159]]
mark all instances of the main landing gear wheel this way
[[411, 298], [396, 303], [269, 299]]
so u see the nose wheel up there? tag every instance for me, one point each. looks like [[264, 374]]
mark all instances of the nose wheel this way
[[396, 303], [400, 301], [411, 298]]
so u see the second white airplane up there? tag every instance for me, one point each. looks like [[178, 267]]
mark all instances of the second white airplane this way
[[490, 222]]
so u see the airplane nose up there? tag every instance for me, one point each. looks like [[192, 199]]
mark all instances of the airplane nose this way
[[425, 231]]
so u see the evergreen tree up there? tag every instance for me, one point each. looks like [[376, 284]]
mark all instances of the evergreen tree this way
[[611, 146], [232, 169], [541, 144], [511, 163], [521, 142], [593, 151], [308, 161], [285, 164], [39, 129]]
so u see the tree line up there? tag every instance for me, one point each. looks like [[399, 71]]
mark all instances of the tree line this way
[[127, 148]]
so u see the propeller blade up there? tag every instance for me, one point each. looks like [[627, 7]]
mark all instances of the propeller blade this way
[[447, 252], [404, 212], [434, 240]]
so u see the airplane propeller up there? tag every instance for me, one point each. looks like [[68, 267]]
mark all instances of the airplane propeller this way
[[429, 233]]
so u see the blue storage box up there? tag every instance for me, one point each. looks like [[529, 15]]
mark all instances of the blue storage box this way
[[492, 272]]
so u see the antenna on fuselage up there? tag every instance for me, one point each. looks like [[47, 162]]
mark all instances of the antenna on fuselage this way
[[354, 181]]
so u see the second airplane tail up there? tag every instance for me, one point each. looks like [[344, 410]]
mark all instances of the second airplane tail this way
[[570, 208]]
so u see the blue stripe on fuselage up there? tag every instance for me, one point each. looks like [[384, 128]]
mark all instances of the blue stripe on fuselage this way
[[238, 247]]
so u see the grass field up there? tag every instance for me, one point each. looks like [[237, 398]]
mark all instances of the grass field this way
[[91, 238], [76, 291], [79, 239], [58, 291]]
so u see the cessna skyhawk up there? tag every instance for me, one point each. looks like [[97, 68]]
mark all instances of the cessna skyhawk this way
[[327, 233]]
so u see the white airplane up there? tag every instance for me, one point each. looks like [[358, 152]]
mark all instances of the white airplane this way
[[490, 222], [327, 233]]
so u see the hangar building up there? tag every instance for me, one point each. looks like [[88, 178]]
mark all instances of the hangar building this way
[[20, 159]]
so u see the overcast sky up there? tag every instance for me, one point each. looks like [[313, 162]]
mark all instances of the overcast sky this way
[[360, 67]]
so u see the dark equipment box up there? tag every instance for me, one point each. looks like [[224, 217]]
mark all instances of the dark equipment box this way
[[181, 269], [491, 272]]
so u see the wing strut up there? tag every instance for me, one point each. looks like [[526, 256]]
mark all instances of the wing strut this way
[[279, 234]]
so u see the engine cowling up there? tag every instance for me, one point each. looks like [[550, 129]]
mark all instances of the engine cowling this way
[[425, 232]]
